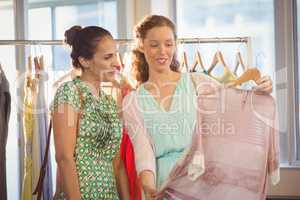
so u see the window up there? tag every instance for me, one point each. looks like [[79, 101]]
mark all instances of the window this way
[[48, 15], [230, 18], [7, 60]]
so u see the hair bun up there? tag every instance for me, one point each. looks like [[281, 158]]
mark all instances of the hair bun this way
[[71, 33]]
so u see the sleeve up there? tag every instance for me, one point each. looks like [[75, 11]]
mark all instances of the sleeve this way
[[204, 86], [273, 152], [142, 146], [66, 94], [197, 165]]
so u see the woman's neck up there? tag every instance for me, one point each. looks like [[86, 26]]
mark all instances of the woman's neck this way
[[93, 83], [160, 78]]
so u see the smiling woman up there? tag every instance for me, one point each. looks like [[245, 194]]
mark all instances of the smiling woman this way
[[87, 129]]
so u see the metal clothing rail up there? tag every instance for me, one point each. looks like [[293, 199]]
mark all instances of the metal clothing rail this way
[[128, 41]]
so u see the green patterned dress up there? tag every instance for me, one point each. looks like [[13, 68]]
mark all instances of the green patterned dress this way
[[98, 139]]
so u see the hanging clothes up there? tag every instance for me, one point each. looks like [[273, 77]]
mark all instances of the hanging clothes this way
[[5, 106], [36, 138], [41, 130], [238, 135], [28, 127], [35, 132]]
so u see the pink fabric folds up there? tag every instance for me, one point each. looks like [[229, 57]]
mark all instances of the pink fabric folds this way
[[240, 145]]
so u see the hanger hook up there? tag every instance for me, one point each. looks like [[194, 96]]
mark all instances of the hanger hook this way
[[199, 42]]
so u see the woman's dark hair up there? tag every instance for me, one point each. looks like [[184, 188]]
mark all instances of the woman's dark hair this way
[[139, 64], [84, 41]]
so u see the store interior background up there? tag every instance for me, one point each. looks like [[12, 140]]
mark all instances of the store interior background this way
[[273, 26]]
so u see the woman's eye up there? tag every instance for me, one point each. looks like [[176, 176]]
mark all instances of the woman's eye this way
[[153, 45], [107, 57]]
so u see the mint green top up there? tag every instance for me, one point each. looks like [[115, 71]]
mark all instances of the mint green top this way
[[170, 131], [98, 139]]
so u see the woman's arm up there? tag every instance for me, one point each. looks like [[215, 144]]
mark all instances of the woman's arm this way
[[58, 188], [148, 184], [121, 178], [65, 133], [143, 151]]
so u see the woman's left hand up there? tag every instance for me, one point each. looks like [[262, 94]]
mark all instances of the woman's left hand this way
[[264, 85]]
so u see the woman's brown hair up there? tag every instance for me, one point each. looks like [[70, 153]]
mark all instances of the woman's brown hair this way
[[139, 63], [84, 42]]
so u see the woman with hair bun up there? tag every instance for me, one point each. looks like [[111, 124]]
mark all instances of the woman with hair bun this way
[[86, 125]]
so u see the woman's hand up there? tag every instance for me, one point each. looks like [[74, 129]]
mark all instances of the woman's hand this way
[[264, 85], [149, 193]]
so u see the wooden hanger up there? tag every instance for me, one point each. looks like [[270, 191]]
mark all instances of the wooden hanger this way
[[184, 62], [41, 62], [120, 61], [29, 65], [218, 57], [198, 61], [250, 74], [37, 66], [239, 62]]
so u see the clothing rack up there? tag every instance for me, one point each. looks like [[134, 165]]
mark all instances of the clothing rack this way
[[128, 41], [245, 40]]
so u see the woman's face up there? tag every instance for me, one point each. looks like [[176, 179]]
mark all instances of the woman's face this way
[[159, 48], [104, 62]]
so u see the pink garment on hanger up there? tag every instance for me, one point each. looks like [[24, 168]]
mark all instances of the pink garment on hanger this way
[[235, 136], [240, 144]]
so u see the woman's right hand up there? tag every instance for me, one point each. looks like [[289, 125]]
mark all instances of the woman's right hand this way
[[149, 193], [148, 184]]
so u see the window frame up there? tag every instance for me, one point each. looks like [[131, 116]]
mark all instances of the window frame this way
[[296, 33]]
